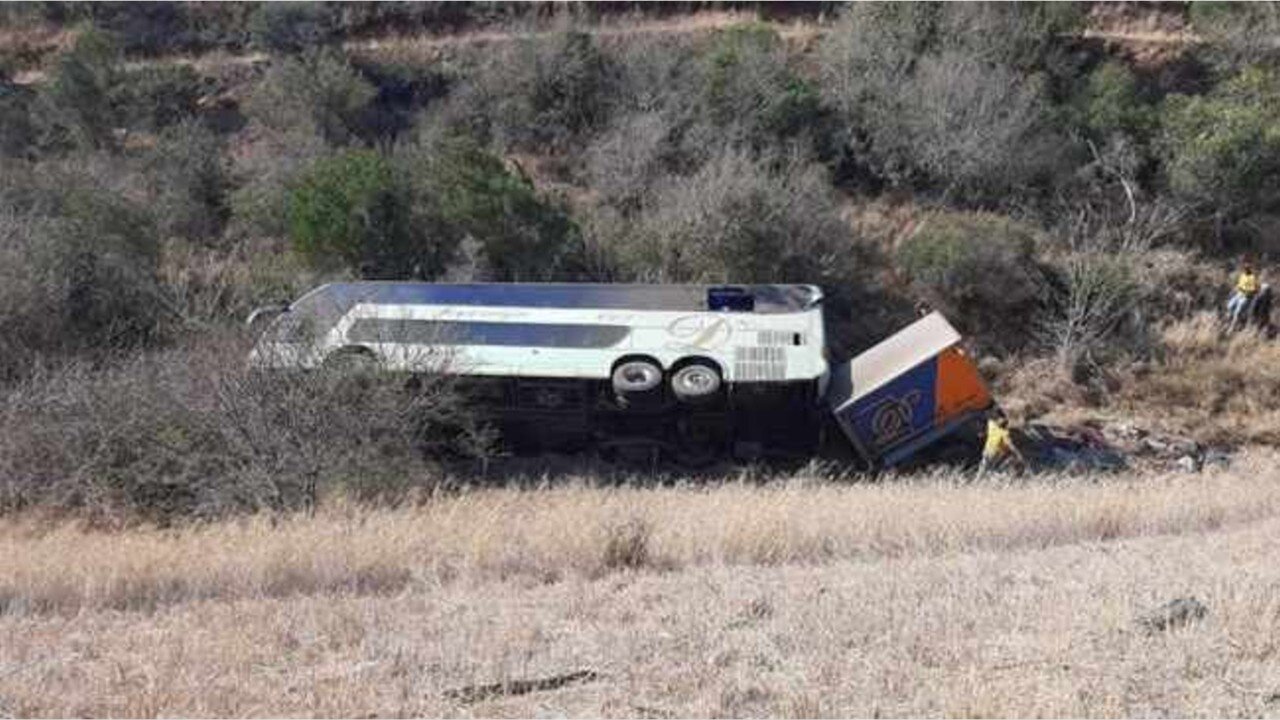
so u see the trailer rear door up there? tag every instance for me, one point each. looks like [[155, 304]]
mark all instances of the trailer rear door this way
[[907, 392]]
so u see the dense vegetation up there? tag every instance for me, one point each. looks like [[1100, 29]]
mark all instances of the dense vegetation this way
[[1054, 199]]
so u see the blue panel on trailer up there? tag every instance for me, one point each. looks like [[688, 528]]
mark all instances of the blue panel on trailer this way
[[898, 411]]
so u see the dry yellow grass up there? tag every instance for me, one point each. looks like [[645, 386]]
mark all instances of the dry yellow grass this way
[[923, 596], [1220, 389]]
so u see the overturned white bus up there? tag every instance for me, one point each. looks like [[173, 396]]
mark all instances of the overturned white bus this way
[[574, 359]]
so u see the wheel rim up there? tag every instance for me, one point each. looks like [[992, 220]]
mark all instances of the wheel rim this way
[[636, 376], [695, 381]]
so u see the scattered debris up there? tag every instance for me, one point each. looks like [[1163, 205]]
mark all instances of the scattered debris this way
[[1216, 458], [1189, 463], [1170, 451], [1101, 447], [1173, 614], [1077, 447], [475, 693]]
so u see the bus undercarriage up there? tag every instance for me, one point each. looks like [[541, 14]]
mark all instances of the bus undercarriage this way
[[746, 421]]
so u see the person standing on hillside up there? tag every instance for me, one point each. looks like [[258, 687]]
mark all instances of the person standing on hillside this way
[[998, 446], [1241, 301]]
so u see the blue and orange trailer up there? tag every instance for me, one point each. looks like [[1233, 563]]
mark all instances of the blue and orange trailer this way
[[908, 393]]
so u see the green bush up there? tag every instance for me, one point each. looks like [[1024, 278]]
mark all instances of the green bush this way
[[523, 237], [980, 270], [318, 90], [1112, 102], [1223, 148], [76, 105], [349, 210], [749, 89]]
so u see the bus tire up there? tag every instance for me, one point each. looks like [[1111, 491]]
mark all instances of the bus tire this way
[[636, 376], [696, 381]]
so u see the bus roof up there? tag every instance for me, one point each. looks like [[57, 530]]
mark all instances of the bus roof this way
[[687, 298]]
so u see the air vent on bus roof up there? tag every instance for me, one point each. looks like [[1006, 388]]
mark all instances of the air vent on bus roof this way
[[734, 299]]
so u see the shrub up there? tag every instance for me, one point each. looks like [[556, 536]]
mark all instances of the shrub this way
[[980, 270], [142, 28], [1223, 149], [872, 50], [266, 167], [748, 89], [17, 131], [190, 432], [290, 27], [537, 92], [1027, 37], [658, 124], [76, 103], [1112, 102], [979, 128], [569, 93], [1093, 309], [318, 90], [1237, 34], [738, 219], [190, 182], [523, 236], [623, 163], [655, 73], [211, 284], [349, 210], [79, 268], [924, 107], [217, 25], [157, 96]]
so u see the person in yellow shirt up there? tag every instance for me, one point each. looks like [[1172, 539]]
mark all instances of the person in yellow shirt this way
[[998, 446], [1241, 301]]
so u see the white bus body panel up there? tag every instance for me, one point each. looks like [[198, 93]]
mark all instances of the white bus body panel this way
[[748, 346]]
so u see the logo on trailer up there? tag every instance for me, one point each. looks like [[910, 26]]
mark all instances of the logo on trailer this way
[[893, 418]]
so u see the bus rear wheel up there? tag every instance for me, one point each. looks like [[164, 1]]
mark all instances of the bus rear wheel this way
[[697, 381]]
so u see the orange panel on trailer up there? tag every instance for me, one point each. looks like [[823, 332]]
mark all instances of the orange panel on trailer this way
[[959, 387]]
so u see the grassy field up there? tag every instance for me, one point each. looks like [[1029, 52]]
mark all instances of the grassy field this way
[[926, 596]]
